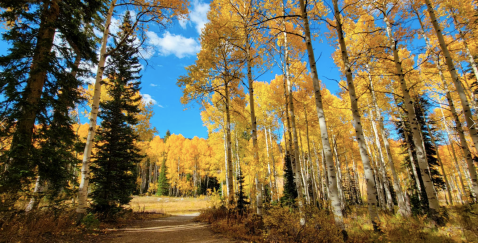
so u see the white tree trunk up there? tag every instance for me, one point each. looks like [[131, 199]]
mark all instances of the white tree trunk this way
[[332, 183], [85, 168], [454, 75], [402, 205], [371, 187], [417, 140]]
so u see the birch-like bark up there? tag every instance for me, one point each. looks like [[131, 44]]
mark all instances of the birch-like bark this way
[[454, 157], [402, 205], [444, 81], [339, 174], [417, 140], [381, 162], [378, 182], [319, 176], [269, 165], [273, 164], [371, 187], [464, 146], [34, 201], [295, 161], [454, 75], [471, 60], [410, 155], [230, 186], [332, 183], [303, 170], [225, 163], [448, 189], [85, 168]]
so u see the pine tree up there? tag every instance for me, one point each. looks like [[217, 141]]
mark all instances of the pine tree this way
[[241, 197], [37, 87], [290, 191], [421, 107], [114, 168], [163, 182]]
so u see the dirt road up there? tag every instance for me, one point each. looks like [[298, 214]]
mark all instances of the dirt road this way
[[179, 228]]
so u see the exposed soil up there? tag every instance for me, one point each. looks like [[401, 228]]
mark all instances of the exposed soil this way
[[180, 228]]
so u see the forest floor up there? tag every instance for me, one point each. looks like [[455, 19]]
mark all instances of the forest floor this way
[[176, 226]]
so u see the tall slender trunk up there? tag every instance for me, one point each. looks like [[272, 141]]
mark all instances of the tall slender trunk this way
[[471, 60], [339, 174], [371, 187], [274, 172], [443, 79], [412, 159], [308, 147], [230, 186], [226, 165], [454, 76], [319, 176], [303, 170], [381, 199], [448, 189], [417, 140], [253, 120], [381, 162], [85, 168], [296, 156], [332, 184], [464, 146], [454, 154], [19, 160], [402, 205], [269, 175]]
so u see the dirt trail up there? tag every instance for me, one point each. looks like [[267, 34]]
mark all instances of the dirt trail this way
[[178, 228]]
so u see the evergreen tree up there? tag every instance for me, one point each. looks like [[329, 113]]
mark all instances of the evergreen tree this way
[[37, 88], [117, 157], [241, 197], [421, 108], [163, 182], [290, 191]]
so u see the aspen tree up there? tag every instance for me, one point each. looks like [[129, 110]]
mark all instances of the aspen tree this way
[[417, 139], [444, 81], [85, 167], [454, 76], [332, 180], [295, 142], [371, 187], [402, 205]]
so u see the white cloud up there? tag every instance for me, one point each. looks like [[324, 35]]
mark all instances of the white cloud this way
[[160, 106], [198, 15], [148, 99], [153, 85], [183, 23], [177, 45]]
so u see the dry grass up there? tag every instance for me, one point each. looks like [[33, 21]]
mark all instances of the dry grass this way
[[281, 225], [170, 205]]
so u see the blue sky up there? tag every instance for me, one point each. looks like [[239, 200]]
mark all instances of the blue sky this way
[[170, 50], [176, 48]]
